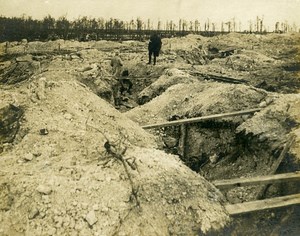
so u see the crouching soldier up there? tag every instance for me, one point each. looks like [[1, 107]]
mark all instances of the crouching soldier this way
[[126, 84]]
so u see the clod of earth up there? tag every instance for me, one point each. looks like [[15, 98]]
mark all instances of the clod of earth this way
[[44, 189]]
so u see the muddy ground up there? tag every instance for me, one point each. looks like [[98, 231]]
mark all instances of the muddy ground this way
[[74, 163]]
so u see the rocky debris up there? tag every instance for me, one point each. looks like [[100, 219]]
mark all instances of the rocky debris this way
[[28, 157], [44, 189], [38, 89], [26, 58], [91, 218], [44, 131], [170, 142], [82, 172], [33, 213]]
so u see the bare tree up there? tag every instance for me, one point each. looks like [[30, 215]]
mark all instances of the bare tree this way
[[159, 25], [139, 24]]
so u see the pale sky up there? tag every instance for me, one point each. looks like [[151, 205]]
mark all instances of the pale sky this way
[[215, 10]]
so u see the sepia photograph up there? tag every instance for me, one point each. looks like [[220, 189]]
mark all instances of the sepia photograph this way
[[149, 118]]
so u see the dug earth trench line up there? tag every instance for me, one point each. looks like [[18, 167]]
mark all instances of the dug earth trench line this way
[[57, 179]]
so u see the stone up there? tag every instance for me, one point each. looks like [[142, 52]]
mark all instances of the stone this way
[[40, 91], [84, 205], [213, 158], [96, 207], [68, 116], [44, 131], [170, 216], [33, 213], [263, 104], [24, 41], [26, 58], [46, 199], [105, 209], [51, 231], [42, 215], [91, 218], [43, 189], [170, 142], [72, 224], [66, 221], [28, 157]]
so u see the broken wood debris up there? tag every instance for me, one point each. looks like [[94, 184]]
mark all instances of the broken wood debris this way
[[276, 164]]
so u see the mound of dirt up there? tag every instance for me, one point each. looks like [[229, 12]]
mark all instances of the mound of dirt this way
[[235, 40], [189, 42], [78, 166], [170, 77], [246, 60], [233, 146], [74, 165], [197, 99], [274, 121]]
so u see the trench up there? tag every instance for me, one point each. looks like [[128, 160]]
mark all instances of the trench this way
[[215, 150]]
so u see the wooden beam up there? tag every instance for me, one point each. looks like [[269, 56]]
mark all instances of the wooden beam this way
[[269, 179], [198, 119], [219, 78], [286, 148], [272, 203]]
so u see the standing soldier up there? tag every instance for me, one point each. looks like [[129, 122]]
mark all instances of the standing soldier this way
[[117, 64], [154, 47]]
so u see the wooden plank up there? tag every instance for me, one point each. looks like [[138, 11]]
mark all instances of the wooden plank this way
[[218, 78], [259, 205], [274, 167], [198, 119], [241, 182]]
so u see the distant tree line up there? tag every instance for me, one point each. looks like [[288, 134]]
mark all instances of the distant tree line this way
[[87, 28]]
